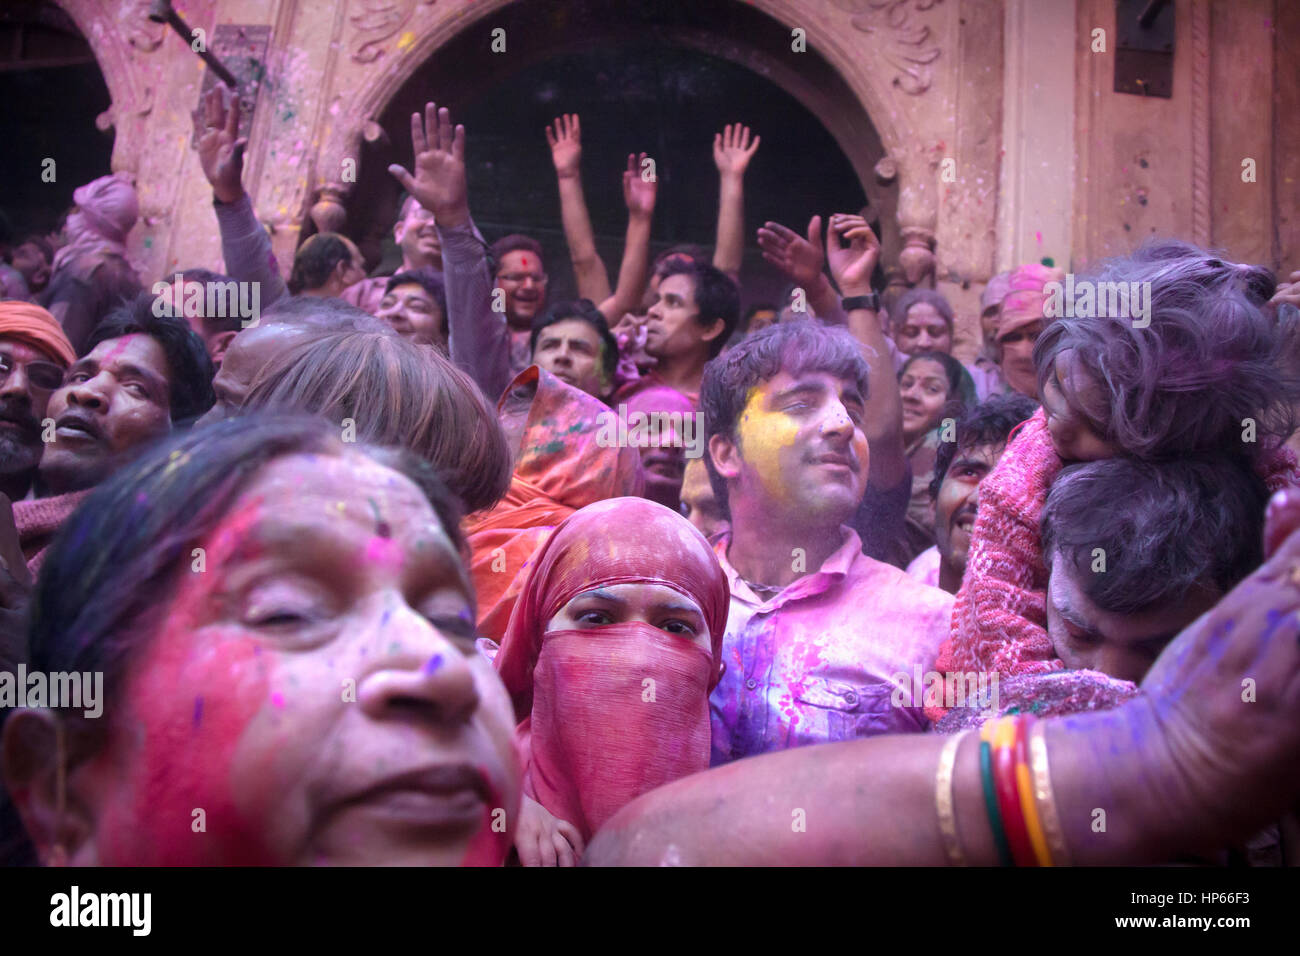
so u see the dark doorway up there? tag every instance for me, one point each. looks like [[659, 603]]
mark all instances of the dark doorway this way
[[52, 92], [654, 77]]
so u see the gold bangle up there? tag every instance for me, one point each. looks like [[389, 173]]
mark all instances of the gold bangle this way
[[943, 799], [1045, 798]]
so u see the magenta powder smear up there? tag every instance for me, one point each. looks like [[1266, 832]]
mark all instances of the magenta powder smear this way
[[433, 664]]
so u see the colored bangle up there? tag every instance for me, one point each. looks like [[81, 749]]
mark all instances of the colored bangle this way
[[1025, 791], [1045, 798], [1004, 777], [990, 797], [943, 800]]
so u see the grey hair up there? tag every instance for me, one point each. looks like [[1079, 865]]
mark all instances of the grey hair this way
[[916, 296]]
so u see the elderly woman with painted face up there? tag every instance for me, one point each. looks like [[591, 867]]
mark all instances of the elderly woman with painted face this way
[[610, 656], [284, 626]]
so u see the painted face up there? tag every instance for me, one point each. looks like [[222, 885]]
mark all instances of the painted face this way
[[958, 503], [27, 377], [1072, 437], [1121, 645], [31, 262], [1017, 359], [248, 352], [672, 326], [923, 330], [699, 503], [521, 276], [113, 402], [572, 351], [924, 389], [417, 235], [655, 604], [414, 314], [803, 454], [315, 690], [762, 319]]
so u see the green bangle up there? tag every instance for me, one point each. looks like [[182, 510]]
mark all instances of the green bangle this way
[[991, 805]]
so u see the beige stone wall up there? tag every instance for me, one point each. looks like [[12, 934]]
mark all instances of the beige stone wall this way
[[1137, 166]]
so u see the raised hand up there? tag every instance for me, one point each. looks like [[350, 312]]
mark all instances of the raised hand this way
[[439, 181], [565, 140], [799, 258], [637, 193], [852, 265], [732, 149], [221, 151]]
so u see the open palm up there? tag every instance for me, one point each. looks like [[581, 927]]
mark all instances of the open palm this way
[[439, 180], [221, 152]]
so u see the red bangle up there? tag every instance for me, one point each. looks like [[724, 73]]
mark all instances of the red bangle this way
[[1004, 775]]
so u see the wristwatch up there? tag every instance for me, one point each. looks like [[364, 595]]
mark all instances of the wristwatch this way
[[871, 302]]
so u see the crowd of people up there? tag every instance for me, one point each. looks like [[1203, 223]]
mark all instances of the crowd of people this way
[[427, 568]]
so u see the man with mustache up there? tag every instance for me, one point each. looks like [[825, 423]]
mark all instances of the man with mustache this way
[[959, 468], [417, 236], [142, 376], [816, 628], [34, 354]]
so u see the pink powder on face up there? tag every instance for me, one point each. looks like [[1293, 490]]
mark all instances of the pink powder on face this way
[[383, 551]]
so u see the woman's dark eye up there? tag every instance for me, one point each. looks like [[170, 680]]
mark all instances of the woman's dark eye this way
[[678, 627], [278, 619], [594, 617]]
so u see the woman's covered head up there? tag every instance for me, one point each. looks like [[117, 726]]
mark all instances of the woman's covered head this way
[[611, 652], [1206, 372], [392, 392], [285, 629]]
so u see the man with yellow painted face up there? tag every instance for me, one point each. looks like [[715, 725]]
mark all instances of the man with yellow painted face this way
[[816, 629]]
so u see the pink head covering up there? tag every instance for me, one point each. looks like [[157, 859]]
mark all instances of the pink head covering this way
[[995, 291], [611, 712], [110, 206], [1024, 300]]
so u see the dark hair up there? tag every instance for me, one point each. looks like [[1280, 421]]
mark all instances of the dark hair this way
[[988, 423], [191, 370], [793, 347], [1184, 384], [513, 243], [102, 587], [716, 296], [961, 387], [1162, 527], [753, 310], [41, 243], [395, 393], [313, 312], [212, 324], [689, 250], [316, 259], [584, 310], [898, 313]]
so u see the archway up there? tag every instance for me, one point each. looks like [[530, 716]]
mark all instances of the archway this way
[[718, 38]]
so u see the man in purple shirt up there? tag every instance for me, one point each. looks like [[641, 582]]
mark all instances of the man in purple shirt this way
[[816, 630]]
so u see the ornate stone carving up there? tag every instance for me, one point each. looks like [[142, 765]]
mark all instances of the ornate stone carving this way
[[917, 255], [1201, 123], [376, 23], [141, 32], [908, 45], [328, 213]]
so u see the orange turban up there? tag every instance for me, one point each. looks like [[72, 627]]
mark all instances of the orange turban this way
[[34, 326], [1024, 300]]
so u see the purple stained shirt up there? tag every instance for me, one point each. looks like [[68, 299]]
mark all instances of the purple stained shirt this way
[[815, 662]]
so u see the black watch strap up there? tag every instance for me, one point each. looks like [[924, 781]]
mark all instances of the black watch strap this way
[[871, 302]]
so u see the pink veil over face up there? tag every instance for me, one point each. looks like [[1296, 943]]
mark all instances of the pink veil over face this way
[[611, 712]]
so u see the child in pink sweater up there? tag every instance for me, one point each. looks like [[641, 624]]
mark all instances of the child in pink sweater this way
[[1206, 375]]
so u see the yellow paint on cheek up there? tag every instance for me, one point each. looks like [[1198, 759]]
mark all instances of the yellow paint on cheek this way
[[765, 438]]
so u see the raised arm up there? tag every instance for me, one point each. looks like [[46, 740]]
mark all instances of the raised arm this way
[[245, 246], [635, 269], [565, 139], [732, 151], [852, 250], [479, 341], [1187, 767], [802, 260]]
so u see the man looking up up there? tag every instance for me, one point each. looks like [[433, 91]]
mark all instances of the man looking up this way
[[417, 236], [143, 375], [816, 628], [572, 341]]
